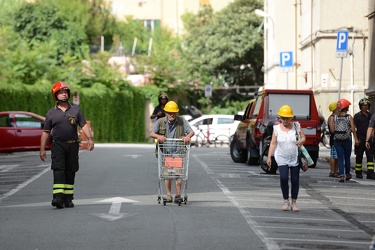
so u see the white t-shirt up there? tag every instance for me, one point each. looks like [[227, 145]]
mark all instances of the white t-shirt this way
[[286, 152]]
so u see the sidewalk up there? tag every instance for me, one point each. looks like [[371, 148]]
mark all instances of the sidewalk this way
[[324, 154]]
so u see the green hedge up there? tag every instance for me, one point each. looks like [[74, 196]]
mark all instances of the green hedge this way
[[114, 116]]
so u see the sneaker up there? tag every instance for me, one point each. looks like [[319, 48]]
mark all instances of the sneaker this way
[[177, 199], [286, 205], [348, 177], [342, 180], [294, 208], [58, 202]]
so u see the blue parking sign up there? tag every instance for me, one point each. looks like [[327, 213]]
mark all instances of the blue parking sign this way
[[342, 43], [286, 61]]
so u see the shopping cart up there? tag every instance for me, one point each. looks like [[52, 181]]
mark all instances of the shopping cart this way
[[173, 164]]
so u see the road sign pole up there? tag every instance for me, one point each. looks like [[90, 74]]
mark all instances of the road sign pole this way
[[287, 80], [342, 60], [341, 51]]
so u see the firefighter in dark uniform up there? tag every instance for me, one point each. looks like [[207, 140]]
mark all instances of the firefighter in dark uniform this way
[[361, 122], [61, 123], [159, 110]]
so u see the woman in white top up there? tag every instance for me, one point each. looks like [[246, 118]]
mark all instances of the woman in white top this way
[[285, 145]]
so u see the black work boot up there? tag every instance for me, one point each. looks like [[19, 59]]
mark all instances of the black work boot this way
[[358, 174], [370, 174], [58, 201], [68, 201]]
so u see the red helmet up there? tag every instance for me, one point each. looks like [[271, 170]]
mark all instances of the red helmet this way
[[343, 103], [57, 87]]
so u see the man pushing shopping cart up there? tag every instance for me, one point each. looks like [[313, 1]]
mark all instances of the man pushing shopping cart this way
[[173, 134]]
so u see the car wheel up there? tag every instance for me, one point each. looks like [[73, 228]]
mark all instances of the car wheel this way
[[238, 156]]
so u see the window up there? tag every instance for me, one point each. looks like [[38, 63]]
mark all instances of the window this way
[[6, 121], [151, 24], [26, 121], [257, 106], [300, 104], [225, 121]]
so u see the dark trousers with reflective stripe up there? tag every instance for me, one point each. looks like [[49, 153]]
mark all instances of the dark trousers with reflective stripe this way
[[359, 150], [64, 165]]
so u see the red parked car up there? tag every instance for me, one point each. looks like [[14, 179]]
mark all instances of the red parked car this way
[[20, 131]]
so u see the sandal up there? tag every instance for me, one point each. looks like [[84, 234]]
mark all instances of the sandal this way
[[286, 205], [168, 199], [177, 199], [334, 175], [294, 208]]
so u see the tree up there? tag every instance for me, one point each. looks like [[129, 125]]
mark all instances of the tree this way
[[226, 45], [43, 21]]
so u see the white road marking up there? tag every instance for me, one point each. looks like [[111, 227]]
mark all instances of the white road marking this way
[[6, 168], [114, 211], [24, 184], [133, 156], [204, 165], [270, 244]]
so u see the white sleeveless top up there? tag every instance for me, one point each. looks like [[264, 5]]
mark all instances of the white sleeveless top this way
[[286, 152]]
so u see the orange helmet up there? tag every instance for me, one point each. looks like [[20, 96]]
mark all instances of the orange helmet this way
[[343, 103], [57, 87]]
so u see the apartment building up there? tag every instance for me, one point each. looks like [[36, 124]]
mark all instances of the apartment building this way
[[166, 13], [306, 33]]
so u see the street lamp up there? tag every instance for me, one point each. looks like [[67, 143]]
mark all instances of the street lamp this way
[[266, 15], [266, 52]]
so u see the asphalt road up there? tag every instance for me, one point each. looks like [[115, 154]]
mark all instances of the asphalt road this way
[[230, 206]]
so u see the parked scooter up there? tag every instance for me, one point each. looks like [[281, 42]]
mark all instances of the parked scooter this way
[[265, 145]]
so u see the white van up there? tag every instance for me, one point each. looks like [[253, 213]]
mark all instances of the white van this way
[[220, 127]]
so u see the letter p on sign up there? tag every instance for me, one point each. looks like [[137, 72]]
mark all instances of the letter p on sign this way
[[342, 43], [286, 61]]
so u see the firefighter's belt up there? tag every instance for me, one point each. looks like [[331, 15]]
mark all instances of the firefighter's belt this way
[[71, 141]]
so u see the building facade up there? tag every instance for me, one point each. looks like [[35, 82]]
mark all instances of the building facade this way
[[307, 29], [166, 13], [371, 24]]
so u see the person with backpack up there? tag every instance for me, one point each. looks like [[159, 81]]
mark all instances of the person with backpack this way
[[172, 126], [342, 126], [361, 122]]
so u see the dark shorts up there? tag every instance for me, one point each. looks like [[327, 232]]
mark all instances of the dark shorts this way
[[65, 156]]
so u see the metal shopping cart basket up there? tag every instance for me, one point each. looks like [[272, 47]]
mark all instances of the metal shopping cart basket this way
[[173, 164]]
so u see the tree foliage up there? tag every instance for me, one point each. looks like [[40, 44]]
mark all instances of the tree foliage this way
[[226, 45], [48, 40]]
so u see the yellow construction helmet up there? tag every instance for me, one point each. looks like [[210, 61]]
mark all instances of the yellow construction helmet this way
[[171, 107], [333, 106], [285, 111]]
